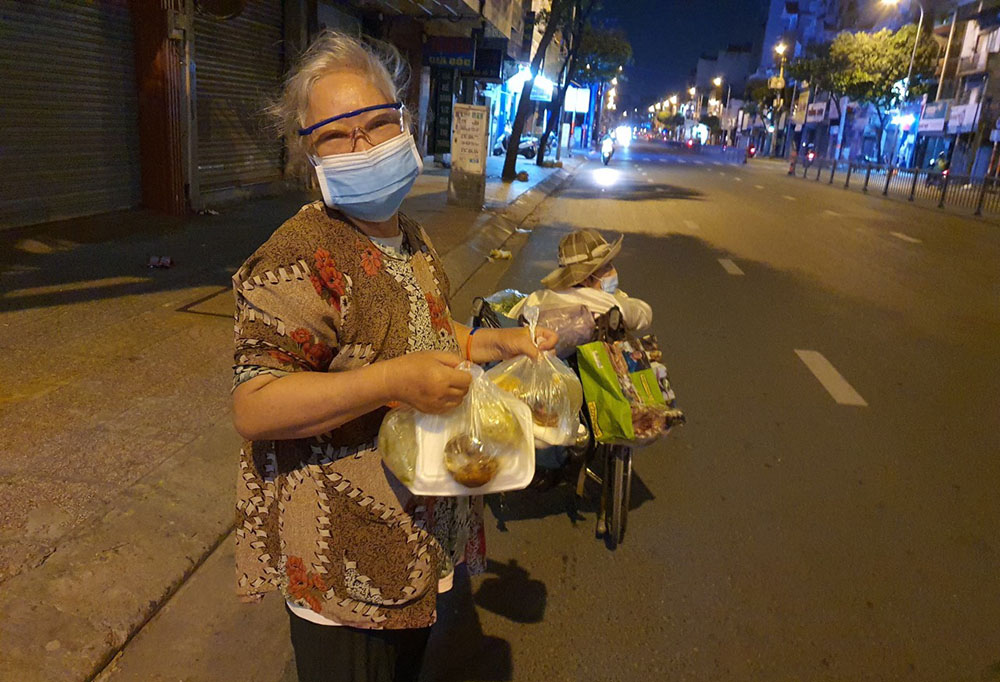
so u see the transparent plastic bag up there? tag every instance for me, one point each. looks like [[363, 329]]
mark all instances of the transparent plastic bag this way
[[549, 388], [397, 442], [574, 324], [481, 434], [505, 299], [483, 444]]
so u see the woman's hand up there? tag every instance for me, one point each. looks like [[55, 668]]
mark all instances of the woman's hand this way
[[509, 343], [427, 381]]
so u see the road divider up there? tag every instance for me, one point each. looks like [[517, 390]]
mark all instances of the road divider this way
[[827, 375], [730, 267]]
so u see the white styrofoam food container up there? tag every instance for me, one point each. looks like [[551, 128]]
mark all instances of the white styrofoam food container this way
[[432, 476]]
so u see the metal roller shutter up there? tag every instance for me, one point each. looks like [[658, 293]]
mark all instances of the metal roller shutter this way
[[239, 67], [69, 140]]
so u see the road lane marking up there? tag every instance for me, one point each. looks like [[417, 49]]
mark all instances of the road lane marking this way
[[717, 163], [691, 225], [700, 163], [737, 179], [759, 186], [832, 213], [835, 384], [790, 198], [730, 267], [906, 238]]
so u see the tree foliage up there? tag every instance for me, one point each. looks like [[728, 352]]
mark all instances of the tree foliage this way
[[602, 51], [868, 66]]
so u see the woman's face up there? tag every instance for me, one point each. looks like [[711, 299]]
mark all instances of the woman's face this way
[[341, 92]]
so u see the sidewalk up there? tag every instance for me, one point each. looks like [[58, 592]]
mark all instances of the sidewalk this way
[[118, 454]]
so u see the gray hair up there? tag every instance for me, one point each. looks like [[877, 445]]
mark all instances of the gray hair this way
[[329, 52]]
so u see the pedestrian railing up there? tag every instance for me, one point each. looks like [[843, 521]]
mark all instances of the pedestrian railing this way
[[978, 196]]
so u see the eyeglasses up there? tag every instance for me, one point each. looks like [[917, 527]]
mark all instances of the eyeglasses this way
[[339, 134]]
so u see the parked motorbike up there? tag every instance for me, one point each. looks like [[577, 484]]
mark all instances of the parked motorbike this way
[[528, 148], [607, 149]]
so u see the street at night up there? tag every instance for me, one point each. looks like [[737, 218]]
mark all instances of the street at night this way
[[500, 341]]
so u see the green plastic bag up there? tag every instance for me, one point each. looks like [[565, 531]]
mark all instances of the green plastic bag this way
[[625, 407], [610, 411]]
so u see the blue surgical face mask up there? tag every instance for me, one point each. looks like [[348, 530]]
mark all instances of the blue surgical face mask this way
[[609, 283], [370, 185]]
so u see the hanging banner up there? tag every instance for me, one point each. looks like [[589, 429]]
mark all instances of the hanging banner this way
[[801, 104]]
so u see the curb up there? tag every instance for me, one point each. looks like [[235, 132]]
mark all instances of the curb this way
[[463, 262], [70, 617]]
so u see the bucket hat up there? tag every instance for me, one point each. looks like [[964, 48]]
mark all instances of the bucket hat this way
[[581, 254]]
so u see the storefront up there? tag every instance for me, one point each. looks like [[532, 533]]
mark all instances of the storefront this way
[[238, 65], [70, 137]]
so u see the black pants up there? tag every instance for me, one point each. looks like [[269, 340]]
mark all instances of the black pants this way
[[326, 653]]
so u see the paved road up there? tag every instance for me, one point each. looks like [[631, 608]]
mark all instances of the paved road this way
[[830, 511]]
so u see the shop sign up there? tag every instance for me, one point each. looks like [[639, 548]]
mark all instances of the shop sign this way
[[816, 112], [454, 53], [963, 117], [444, 97], [541, 90], [577, 99], [934, 117]]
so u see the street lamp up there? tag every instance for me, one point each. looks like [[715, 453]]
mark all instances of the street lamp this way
[[916, 41], [779, 49]]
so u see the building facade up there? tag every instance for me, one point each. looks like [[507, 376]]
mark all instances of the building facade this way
[[126, 103]]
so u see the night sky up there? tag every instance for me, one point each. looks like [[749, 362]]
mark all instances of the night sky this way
[[668, 36]]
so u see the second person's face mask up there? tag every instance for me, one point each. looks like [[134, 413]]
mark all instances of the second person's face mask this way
[[609, 283], [370, 185]]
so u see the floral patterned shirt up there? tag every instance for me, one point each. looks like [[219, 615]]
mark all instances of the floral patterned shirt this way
[[321, 518]]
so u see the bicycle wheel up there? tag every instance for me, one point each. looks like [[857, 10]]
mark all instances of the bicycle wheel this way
[[616, 521]]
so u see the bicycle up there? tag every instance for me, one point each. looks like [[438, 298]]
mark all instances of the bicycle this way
[[609, 466]]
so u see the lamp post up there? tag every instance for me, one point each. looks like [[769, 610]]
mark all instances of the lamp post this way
[[916, 40], [780, 51]]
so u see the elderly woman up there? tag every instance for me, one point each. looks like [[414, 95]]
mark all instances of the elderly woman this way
[[343, 311]]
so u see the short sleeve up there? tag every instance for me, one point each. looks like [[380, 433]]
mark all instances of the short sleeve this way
[[286, 319]]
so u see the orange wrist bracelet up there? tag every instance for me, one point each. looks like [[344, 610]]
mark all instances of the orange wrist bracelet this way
[[468, 343]]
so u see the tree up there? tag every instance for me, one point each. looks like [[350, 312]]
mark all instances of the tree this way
[[552, 19], [868, 67], [573, 28], [595, 55]]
